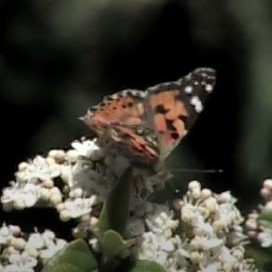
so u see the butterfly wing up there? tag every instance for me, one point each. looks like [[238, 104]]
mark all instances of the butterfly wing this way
[[119, 122], [173, 107], [147, 125], [124, 108]]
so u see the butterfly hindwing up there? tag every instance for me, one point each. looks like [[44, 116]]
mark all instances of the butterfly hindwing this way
[[124, 108], [119, 122]]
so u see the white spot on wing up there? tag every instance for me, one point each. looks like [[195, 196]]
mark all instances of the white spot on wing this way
[[208, 88], [135, 93], [142, 94], [125, 92], [153, 88], [89, 114], [114, 96], [195, 101], [188, 89], [132, 92]]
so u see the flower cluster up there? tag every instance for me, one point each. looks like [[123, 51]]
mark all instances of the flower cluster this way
[[19, 253], [69, 181], [203, 233], [74, 182], [260, 229], [200, 232]]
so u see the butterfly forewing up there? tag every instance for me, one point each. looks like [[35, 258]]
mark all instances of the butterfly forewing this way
[[173, 107]]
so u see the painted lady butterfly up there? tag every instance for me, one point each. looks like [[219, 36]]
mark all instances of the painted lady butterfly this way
[[145, 126]]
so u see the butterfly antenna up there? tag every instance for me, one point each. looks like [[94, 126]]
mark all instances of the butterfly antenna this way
[[206, 171]]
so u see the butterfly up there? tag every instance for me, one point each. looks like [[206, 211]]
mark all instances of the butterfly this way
[[146, 125]]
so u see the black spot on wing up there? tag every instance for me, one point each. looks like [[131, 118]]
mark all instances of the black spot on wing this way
[[183, 118], [169, 124], [161, 109], [187, 121], [175, 135]]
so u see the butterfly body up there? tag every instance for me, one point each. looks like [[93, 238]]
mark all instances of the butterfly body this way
[[145, 126]]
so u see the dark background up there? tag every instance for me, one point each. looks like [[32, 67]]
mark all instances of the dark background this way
[[57, 58]]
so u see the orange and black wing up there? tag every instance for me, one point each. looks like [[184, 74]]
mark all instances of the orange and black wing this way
[[173, 107]]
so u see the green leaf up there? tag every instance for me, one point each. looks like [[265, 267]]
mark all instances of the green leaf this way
[[265, 219], [64, 268], [261, 256], [115, 211], [75, 257], [148, 266], [113, 244]]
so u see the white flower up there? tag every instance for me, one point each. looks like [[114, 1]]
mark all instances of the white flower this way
[[265, 236], [192, 214], [88, 149], [48, 235], [51, 250], [160, 221], [21, 197], [22, 261], [153, 248], [38, 169], [22, 254], [16, 268], [5, 234], [78, 207], [211, 267], [35, 241]]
